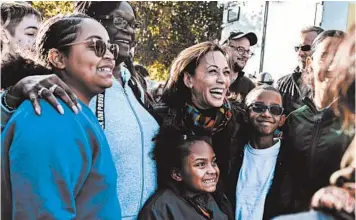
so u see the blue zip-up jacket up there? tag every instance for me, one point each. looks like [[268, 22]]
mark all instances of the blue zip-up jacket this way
[[129, 129], [57, 166]]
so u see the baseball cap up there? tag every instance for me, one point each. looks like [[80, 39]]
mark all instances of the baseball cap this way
[[265, 78], [234, 35]]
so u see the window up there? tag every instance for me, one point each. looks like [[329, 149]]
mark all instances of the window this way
[[233, 14]]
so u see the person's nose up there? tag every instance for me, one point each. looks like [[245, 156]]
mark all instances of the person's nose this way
[[212, 169], [266, 113], [300, 53], [108, 55], [223, 79]]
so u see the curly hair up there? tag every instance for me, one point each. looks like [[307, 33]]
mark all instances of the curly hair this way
[[172, 145]]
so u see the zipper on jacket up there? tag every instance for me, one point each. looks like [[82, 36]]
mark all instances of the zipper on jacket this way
[[315, 139], [142, 146]]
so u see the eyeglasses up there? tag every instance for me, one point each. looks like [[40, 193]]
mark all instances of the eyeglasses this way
[[99, 47], [120, 23], [260, 108], [242, 51], [304, 48]]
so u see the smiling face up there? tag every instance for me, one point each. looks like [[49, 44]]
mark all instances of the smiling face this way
[[89, 74], [265, 123], [24, 35], [123, 35], [239, 61], [200, 172], [210, 81]]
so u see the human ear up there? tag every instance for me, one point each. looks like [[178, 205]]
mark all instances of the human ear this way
[[56, 58], [188, 82], [282, 120], [175, 174], [5, 36], [308, 64]]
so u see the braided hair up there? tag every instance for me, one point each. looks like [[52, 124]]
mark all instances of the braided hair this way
[[56, 32]]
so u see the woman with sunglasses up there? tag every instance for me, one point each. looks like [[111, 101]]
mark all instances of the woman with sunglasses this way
[[67, 173], [128, 126], [258, 186]]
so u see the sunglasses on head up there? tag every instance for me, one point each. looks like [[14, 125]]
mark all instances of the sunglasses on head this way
[[119, 22], [304, 48], [261, 108], [99, 47]]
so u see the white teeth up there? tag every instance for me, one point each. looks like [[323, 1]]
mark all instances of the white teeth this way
[[209, 181], [217, 90], [104, 69], [123, 41]]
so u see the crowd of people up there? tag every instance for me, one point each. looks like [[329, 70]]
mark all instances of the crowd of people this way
[[85, 136]]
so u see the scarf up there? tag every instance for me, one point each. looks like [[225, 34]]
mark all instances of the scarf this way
[[208, 122]]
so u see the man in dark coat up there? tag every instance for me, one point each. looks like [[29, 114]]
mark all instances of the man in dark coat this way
[[294, 87]]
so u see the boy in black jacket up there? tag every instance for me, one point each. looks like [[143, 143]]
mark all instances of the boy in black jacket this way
[[258, 186]]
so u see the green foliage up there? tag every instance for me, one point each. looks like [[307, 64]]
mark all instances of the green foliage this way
[[158, 71], [52, 8], [168, 27]]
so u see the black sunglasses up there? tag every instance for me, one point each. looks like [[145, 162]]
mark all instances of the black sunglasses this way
[[304, 48], [99, 47], [260, 108]]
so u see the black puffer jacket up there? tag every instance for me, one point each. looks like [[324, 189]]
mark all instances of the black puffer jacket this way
[[317, 144], [292, 95], [171, 203]]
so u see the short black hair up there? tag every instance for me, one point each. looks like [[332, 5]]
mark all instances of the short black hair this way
[[12, 14], [96, 9], [257, 89]]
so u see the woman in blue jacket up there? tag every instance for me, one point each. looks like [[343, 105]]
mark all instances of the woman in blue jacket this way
[[66, 173]]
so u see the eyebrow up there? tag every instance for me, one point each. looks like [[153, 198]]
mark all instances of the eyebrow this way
[[212, 65], [198, 159], [32, 27], [94, 36]]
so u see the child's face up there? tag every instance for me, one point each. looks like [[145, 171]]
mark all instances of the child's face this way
[[266, 122], [200, 172]]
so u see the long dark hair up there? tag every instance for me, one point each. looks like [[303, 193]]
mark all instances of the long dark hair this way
[[175, 93]]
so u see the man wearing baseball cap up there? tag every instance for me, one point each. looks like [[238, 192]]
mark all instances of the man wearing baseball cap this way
[[238, 46]]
